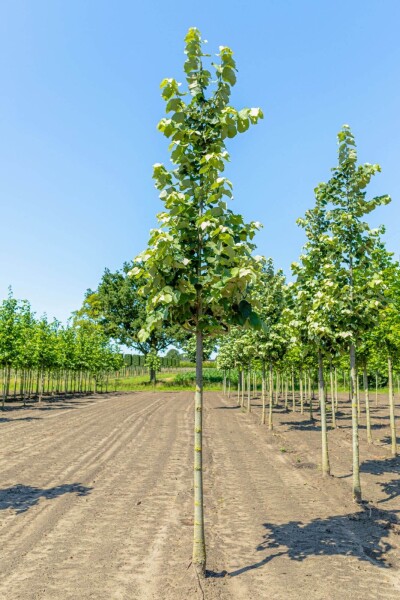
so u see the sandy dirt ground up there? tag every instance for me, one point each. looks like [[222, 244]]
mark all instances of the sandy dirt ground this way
[[96, 503]]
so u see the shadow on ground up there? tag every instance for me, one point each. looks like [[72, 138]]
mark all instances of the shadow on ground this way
[[381, 467], [361, 535], [6, 420], [21, 498], [301, 425]]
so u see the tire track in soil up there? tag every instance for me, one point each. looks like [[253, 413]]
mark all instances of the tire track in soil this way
[[131, 536], [36, 437], [79, 455], [75, 536], [251, 484]]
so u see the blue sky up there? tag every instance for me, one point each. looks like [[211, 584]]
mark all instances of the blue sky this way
[[80, 102]]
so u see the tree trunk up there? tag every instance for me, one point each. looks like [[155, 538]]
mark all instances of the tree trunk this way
[[15, 383], [336, 391], [301, 393], [332, 398], [286, 392], [271, 391], [263, 394], [248, 390], [199, 546], [7, 377], [354, 423], [376, 389], [41, 385], [367, 411], [324, 433], [293, 394], [391, 409], [311, 395]]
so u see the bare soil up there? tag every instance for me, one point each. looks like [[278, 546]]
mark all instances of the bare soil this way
[[96, 503]]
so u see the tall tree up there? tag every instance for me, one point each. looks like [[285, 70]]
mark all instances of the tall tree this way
[[387, 337], [198, 262], [272, 342], [354, 259], [120, 310], [316, 303]]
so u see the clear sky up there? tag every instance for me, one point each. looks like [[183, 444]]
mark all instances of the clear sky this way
[[80, 101]]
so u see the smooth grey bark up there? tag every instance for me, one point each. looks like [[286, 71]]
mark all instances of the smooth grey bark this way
[[367, 411], [15, 383], [332, 398], [357, 497], [199, 546], [324, 433], [293, 394], [263, 382], [286, 392], [248, 390], [6, 388], [301, 393], [271, 391], [391, 409], [41, 385], [336, 391]]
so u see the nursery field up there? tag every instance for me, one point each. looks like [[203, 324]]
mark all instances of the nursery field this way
[[96, 502]]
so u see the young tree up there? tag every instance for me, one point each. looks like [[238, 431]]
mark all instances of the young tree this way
[[355, 259], [12, 324], [387, 338], [272, 342], [198, 262], [316, 303]]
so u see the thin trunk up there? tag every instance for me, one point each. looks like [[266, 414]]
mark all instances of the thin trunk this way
[[248, 390], [271, 391], [7, 376], [199, 546], [293, 394], [367, 411], [301, 393], [286, 393], [278, 386], [263, 394], [332, 398], [354, 422], [391, 409], [324, 433], [15, 383], [376, 389], [336, 391], [41, 385]]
